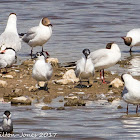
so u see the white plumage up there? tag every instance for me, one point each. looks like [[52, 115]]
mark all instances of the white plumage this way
[[7, 57], [132, 38], [10, 37], [105, 58], [42, 71], [6, 125], [131, 91], [39, 35], [84, 66]]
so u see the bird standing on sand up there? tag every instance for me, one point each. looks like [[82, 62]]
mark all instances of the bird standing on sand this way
[[84, 67], [7, 57], [6, 124], [39, 35], [132, 38], [105, 58], [42, 71], [131, 91], [10, 37]]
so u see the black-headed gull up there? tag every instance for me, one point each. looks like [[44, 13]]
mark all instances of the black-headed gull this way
[[132, 38], [39, 35], [6, 125], [7, 57], [10, 37], [105, 58], [84, 67], [42, 71], [131, 91]]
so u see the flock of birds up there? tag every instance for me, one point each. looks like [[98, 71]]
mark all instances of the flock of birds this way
[[10, 43]]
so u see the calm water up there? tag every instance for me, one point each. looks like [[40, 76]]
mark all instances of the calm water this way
[[77, 25]]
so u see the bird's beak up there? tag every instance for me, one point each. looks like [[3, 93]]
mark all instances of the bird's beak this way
[[2, 52], [50, 25], [123, 38]]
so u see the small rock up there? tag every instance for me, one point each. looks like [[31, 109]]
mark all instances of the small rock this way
[[47, 99], [63, 81], [18, 90], [46, 108], [21, 101], [70, 97], [53, 61], [32, 89], [60, 108], [8, 76], [41, 84], [61, 100], [111, 99], [116, 83], [119, 107], [70, 74], [3, 84], [75, 102]]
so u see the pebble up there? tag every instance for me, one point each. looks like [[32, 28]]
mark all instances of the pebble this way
[[8, 76], [22, 100], [3, 84], [116, 83]]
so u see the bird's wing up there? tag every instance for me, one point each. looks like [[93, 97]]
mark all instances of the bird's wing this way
[[30, 34], [78, 68], [99, 56]]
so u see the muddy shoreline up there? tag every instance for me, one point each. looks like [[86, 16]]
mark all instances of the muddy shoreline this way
[[21, 83]]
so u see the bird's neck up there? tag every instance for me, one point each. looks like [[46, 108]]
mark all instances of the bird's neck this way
[[11, 26]]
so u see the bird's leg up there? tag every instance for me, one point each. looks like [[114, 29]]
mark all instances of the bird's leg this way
[[101, 75], [137, 109], [130, 49], [31, 52], [127, 110], [104, 77], [42, 49], [46, 87]]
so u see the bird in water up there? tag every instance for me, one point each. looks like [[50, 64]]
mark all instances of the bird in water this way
[[38, 35], [6, 124], [42, 71], [131, 91], [84, 68], [132, 38]]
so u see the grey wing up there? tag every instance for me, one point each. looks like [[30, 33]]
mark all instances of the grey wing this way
[[124, 91], [30, 35], [77, 71]]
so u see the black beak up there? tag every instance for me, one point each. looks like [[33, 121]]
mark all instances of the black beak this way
[[50, 25]]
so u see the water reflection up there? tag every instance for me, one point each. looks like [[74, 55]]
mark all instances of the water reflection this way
[[134, 67]]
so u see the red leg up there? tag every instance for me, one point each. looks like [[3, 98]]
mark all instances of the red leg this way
[[104, 77]]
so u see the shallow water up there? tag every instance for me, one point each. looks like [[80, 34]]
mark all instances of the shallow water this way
[[76, 25]]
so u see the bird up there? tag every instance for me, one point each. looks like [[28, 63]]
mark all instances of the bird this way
[[38, 35], [10, 37], [84, 67], [42, 71], [131, 91], [7, 57], [105, 58], [6, 125], [132, 38]]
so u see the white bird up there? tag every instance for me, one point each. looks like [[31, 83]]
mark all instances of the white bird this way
[[131, 91], [84, 67], [132, 38], [10, 37], [6, 125], [42, 71], [105, 58], [7, 57], [39, 35]]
